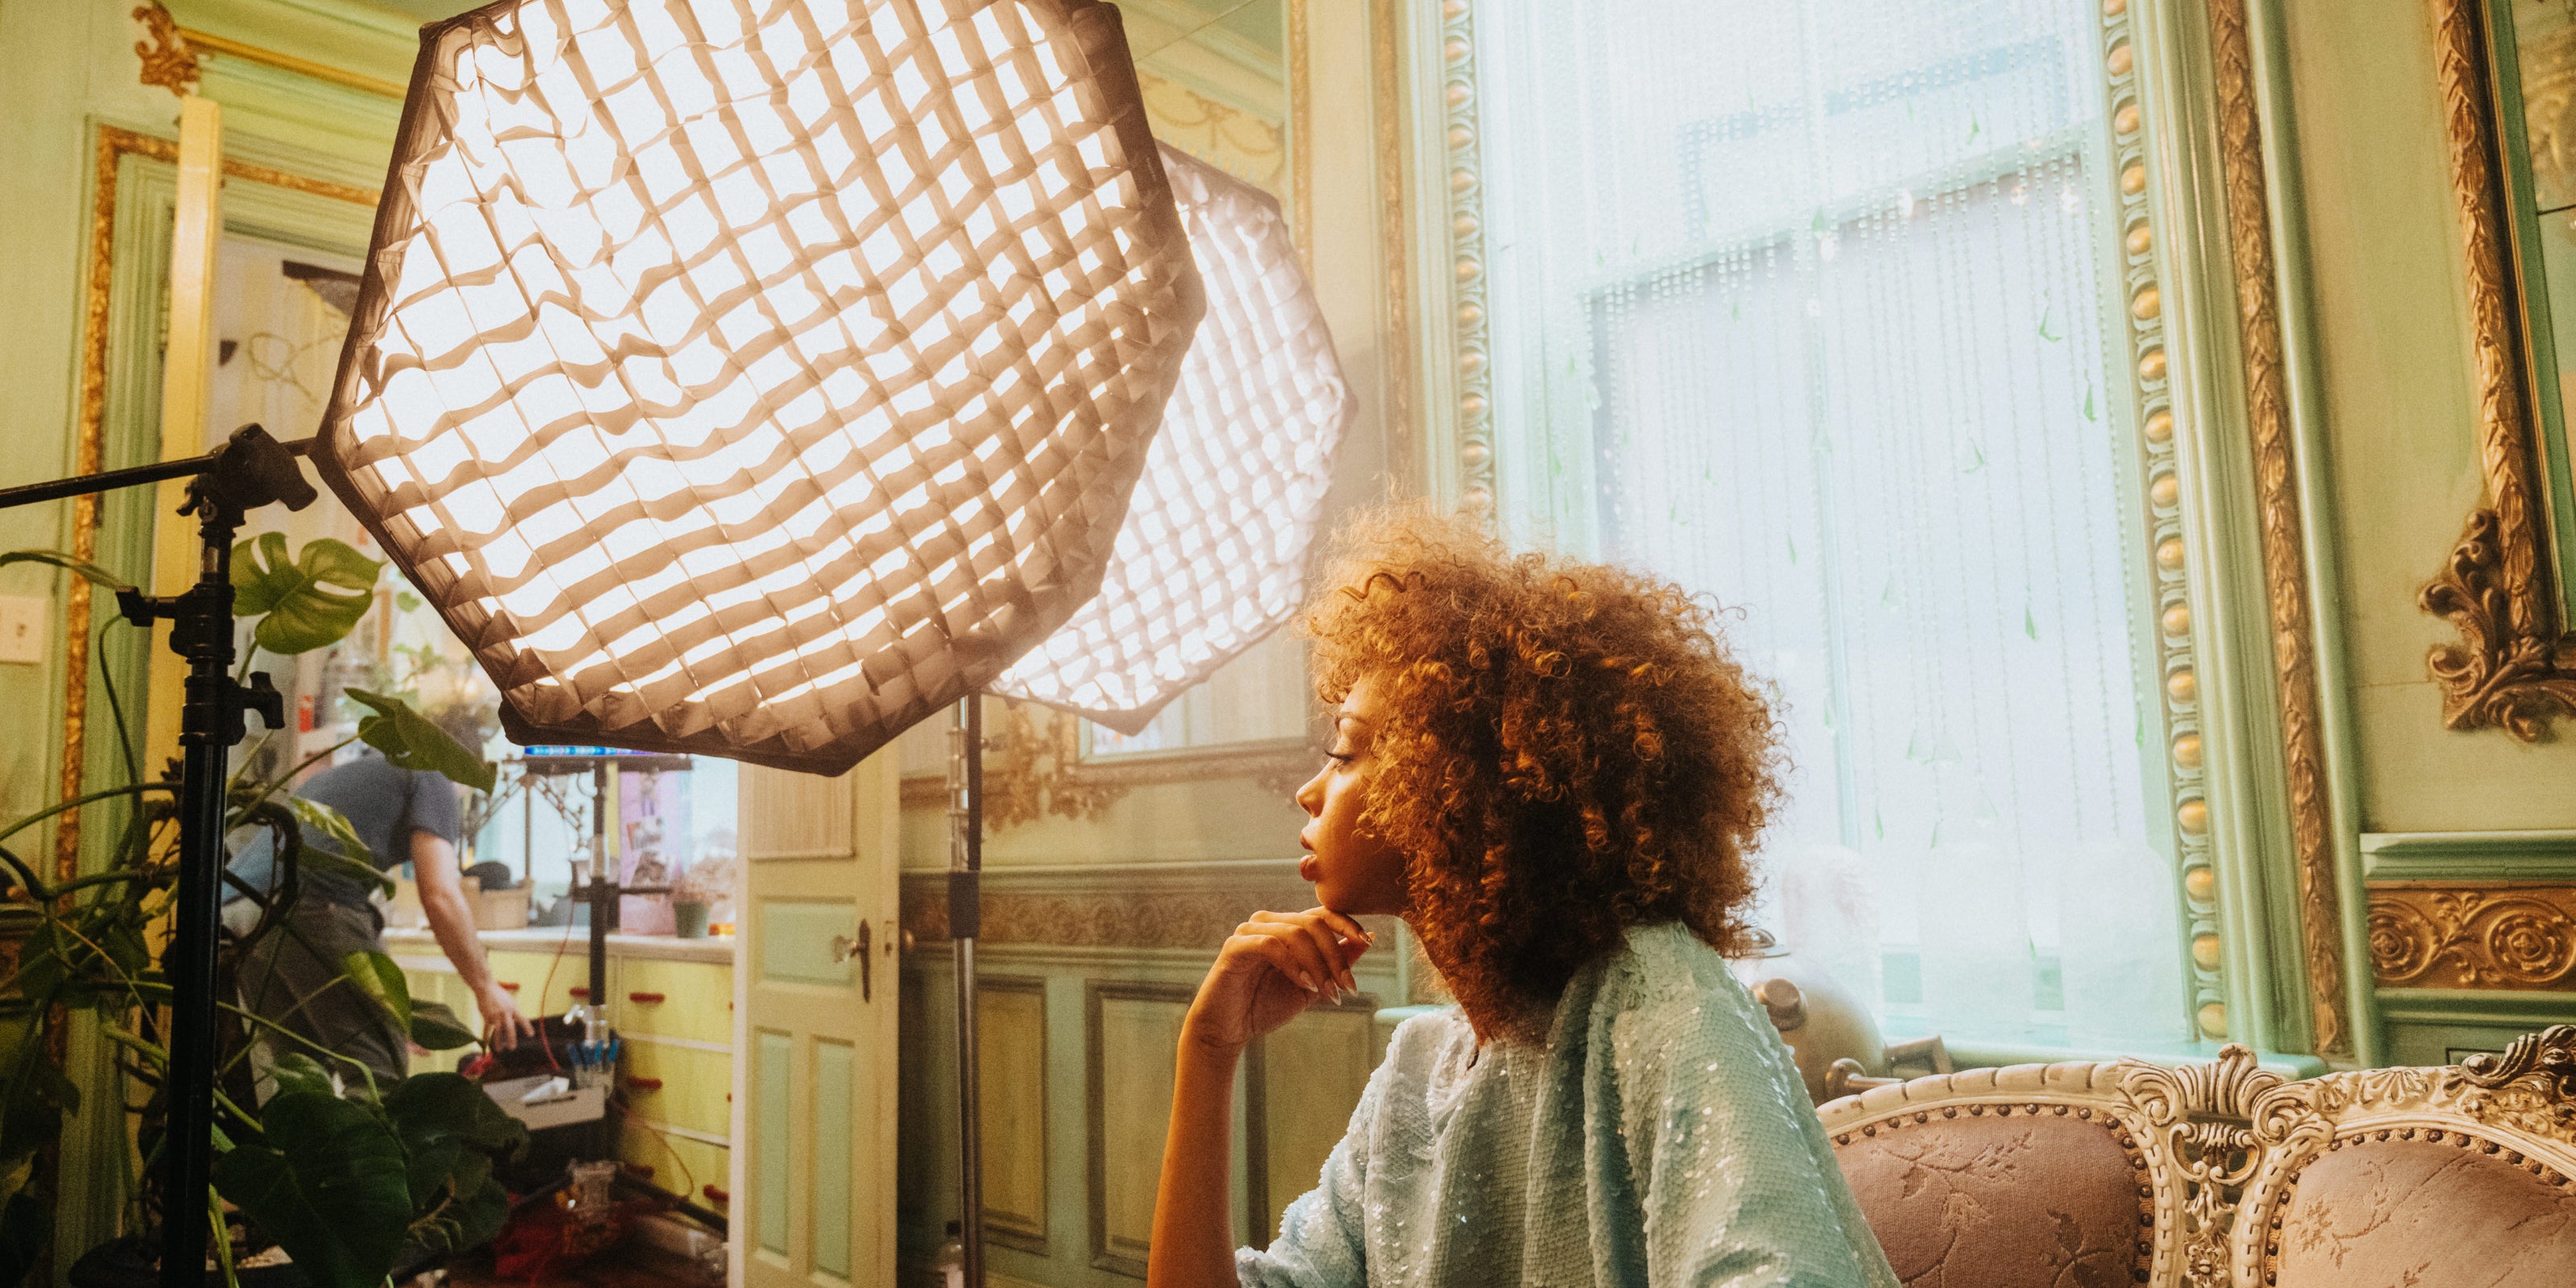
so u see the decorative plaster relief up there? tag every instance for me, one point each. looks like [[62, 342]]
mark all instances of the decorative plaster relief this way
[[2489, 934]]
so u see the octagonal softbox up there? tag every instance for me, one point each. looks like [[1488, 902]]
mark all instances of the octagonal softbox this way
[[1213, 556], [756, 378]]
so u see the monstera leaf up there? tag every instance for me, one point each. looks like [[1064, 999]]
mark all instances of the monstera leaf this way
[[26, 1226], [354, 860], [297, 608], [445, 1122], [377, 976], [436, 1028], [298, 1073], [327, 1181], [408, 739]]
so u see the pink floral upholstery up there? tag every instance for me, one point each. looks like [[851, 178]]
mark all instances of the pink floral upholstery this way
[[1997, 1200], [2429, 1209]]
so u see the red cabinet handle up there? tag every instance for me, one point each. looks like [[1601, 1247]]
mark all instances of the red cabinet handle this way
[[508, 985], [646, 999], [645, 1084], [716, 1193], [641, 1170], [578, 990]]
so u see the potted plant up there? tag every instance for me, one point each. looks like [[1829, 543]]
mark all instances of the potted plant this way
[[695, 896], [330, 1171]]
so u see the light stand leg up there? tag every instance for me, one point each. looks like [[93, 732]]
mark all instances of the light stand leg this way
[[203, 635], [965, 922], [249, 471]]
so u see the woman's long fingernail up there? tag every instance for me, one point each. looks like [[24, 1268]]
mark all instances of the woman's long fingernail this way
[[1307, 980]]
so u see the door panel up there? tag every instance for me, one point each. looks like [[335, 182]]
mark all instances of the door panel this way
[[814, 1038]]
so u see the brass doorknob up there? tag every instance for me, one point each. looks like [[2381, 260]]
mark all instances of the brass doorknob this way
[[844, 948]]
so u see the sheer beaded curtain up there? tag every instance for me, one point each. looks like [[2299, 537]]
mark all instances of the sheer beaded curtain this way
[[1807, 307]]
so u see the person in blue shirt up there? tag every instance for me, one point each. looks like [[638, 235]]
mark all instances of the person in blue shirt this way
[[1552, 772], [294, 977]]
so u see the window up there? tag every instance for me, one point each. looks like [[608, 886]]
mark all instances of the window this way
[[1817, 309]]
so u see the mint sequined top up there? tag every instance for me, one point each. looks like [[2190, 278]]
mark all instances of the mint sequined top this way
[[1660, 1137]]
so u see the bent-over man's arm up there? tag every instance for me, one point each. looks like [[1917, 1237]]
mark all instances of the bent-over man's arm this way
[[442, 899]]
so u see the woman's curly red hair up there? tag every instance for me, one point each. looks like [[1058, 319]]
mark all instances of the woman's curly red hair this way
[[1566, 750]]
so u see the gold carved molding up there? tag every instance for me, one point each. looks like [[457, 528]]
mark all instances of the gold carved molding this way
[[1386, 82], [1470, 338], [1107, 920], [2514, 666], [2472, 934], [171, 57], [2277, 494], [89, 435], [1041, 773], [1034, 769], [1301, 138], [1241, 143], [168, 60]]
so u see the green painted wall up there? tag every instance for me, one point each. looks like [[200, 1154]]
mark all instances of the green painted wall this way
[[2390, 306], [66, 66]]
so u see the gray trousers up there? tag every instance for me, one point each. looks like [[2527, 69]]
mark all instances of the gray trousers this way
[[295, 979]]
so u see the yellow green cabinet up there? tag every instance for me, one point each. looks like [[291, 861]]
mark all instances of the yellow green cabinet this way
[[672, 1003]]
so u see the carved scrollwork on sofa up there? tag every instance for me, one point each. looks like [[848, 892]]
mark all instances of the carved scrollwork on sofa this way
[[2430, 1177], [2434, 1176], [2201, 1117]]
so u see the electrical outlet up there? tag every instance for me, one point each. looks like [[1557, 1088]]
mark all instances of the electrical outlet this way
[[22, 628]]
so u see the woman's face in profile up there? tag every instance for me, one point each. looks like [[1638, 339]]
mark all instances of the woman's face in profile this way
[[1354, 873]]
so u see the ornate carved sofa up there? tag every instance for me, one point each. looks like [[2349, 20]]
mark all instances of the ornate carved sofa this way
[[2096, 1175]]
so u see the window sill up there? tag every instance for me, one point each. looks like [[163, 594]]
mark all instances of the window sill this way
[[1988, 1055]]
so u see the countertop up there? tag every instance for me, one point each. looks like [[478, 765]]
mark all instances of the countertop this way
[[416, 941]]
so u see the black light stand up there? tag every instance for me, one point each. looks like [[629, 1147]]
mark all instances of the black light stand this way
[[965, 922], [250, 470]]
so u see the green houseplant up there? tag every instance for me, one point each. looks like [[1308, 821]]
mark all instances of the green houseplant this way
[[342, 1176]]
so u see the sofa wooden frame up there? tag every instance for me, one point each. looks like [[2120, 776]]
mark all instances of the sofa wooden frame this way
[[2220, 1146]]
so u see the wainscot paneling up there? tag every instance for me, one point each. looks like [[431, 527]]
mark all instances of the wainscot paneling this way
[[1010, 1026], [1298, 1095], [2442, 1025], [1132, 1031], [1078, 1040]]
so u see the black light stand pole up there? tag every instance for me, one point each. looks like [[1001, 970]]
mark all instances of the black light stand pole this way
[[965, 922], [249, 471], [603, 903]]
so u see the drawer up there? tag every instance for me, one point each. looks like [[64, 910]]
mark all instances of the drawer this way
[[671, 999], [682, 1086], [681, 1166], [543, 983]]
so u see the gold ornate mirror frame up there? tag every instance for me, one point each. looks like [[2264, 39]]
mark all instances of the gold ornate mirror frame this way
[[99, 290], [2514, 665]]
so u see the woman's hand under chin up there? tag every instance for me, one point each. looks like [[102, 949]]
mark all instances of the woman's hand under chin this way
[[1271, 969]]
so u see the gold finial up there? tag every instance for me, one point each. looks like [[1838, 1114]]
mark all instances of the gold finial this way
[[167, 60]]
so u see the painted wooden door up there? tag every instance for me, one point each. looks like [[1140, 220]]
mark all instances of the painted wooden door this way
[[814, 1037]]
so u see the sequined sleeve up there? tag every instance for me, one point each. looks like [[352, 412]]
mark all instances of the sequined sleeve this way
[[1737, 1182]]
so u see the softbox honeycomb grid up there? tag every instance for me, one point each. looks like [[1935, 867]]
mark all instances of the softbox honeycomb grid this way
[[756, 378], [1214, 553]]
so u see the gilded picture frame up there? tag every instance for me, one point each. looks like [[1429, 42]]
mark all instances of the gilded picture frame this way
[[114, 426], [2504, 586]]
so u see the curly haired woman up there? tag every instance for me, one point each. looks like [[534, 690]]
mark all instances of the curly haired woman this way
[[1551, 771]]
